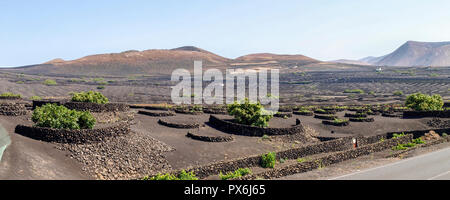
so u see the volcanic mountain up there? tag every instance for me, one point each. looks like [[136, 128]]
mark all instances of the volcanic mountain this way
[[351, 62], [419, 54], [410, 54], [157, 62], [131, 62], [414, 53], [267, 57]]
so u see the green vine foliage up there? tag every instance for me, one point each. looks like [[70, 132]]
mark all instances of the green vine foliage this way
[[268, 160], [91, 96], [60, 117], [250, 113], [423, 102]]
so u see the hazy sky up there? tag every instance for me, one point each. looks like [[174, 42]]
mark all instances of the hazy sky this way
[[37, 31]]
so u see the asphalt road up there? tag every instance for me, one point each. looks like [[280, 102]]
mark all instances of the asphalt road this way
[[430, 166]]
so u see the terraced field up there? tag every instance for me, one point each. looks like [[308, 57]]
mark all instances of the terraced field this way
[[306, 85]]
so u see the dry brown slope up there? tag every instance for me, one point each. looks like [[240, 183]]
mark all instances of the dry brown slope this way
[[151, 62], [261, 57]]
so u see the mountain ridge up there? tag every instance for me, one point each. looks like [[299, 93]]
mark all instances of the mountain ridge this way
[[410, 54], [157, 61]]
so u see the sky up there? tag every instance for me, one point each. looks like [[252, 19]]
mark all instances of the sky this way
[[33, 32]]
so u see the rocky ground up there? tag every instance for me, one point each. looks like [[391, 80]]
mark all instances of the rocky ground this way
[[362, 163], [127, 157], [439, 123], [311, 86]]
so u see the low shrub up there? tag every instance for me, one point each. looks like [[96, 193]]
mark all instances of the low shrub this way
[[409, 144], [418, 141], [304, 110], [169, 177], [320, 164], [423, 102], [396, 135], [236, 174], [300, 160], [320, 110], [339, 121], [35, 98], [370, 112], [196, 108], [249, 113], [398, 93], [10, 95], [335, 107], [50, 82], [268, 160], [60, 117], [354, 91], [98, 80], [399, 147], [91, 96], [265, 137]]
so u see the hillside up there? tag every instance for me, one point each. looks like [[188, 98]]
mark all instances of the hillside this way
[[351, 62], [265, 57], [157, 62], [152, 62], [414, 53]]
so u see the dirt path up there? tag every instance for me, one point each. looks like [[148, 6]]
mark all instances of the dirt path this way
[[28, 159]]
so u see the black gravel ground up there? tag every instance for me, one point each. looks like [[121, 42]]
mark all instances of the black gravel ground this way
[[127, 157], [439, 123]]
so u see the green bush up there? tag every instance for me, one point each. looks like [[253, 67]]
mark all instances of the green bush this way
[[249, 113], [60, 117], [265, 137], [187, 176], [50, 82], [320, 110], [91, 96], [399, 147], [423, 102], [100, 87], [398, 93], [268, 160], [238, 173], [339, 121], [98, 80], [10, 94], [36, 98], [168, 177], [396, 135], [354, 91], [418, 141], [86, 120], [409, 144], [303, 110]]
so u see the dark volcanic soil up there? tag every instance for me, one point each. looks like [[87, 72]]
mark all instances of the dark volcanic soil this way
[[315, 84], [29, 159]]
